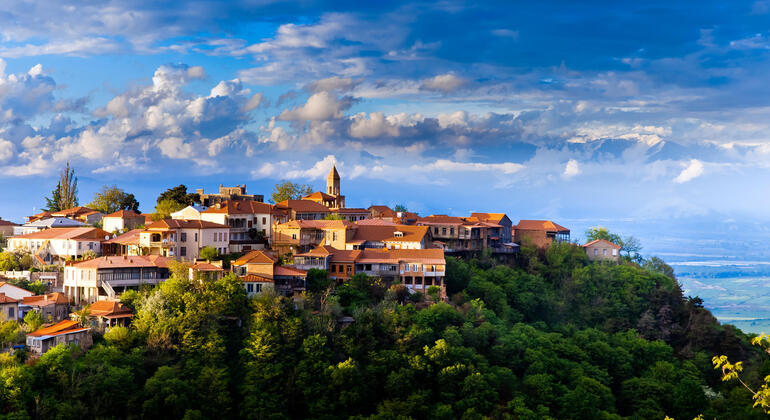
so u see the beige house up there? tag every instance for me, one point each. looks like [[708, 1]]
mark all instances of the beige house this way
[[540, 233], [250, 222], [189, 213], [64, 332], [6, 228], [122, 220], [602, 250], [9, 308], [52, 306], [183, 239], [107, 277], [58, 244], [259, 271]]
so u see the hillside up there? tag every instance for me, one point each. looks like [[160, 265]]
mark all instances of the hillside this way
[[547, 336]]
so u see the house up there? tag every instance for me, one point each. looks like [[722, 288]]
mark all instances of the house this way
[[183, 239], [9, 308], [236, 193], [6, 228], [250, 222], [84, 214], [381, 212], [259, 270], [106, 277], [331, 198], [301, 235], [64, 332], [122, 220], [125, 244], [59, 244], [351, 214], [303, 209], [457, 234], [189, 213], [418, 269], [46, 223], [602, 250], [41, 215], [540, 233], [14, 291], [51, 306], [390, 236], [207, 270], [104, 314]]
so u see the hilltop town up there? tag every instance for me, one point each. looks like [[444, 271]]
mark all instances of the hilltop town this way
[[87, 259]]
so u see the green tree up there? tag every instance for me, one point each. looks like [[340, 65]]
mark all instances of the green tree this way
[[111, 199], [179, 195], [400, 208], [209, 253], [287, 190], [629, 244], [65, 195], [332, 216], [34, 320], [8, 261], [164, 209]]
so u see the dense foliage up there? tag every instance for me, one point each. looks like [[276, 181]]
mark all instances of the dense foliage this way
[[552, 336], [111, 199]]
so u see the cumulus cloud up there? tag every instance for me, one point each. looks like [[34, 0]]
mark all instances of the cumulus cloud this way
[[377, 125], [693, 170], [444, 83], [319, 107], [319, 170], [331, 84], [571, 169]]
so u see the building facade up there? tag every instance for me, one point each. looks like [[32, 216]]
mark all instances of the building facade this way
[[107, 277]]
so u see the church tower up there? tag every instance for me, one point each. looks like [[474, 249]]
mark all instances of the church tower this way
[[333, 182]]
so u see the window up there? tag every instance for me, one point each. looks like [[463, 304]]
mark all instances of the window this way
[[406, 267], [264, 220], [334, 236], [451, 231], [249, 287], [225, 236], [414, 267], [11, 313], [348, 268], [435, 230], [215, 236], [183, 237], [596, 251], [614, 252], [293, 236], [604, 251], [196, 236], [443, 231], [334, 268], [258, 287], [183, 251]]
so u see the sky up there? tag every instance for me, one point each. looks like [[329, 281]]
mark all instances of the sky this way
[[581, 112]]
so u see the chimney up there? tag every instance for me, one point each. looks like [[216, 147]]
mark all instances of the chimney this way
[[45, 297]]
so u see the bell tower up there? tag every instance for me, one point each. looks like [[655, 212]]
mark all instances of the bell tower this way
[[333, 182]]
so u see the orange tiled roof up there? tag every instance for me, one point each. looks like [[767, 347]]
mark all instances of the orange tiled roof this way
[[597, 241], [73, 233], [202, 266], [318, 195], [54, 298], [441, 219], [7, 299], [74, 212], [317, 224], [7, 223], [256, 257], [254, 278], [385, 211], [281, 270], [129, 238], [386, 233], [240, 207], [351, 210], [166, 224], [57, 329], [376, 222], [546, 225], [319, 251], [108, 308], [124, 262], [125, 214], [489, 217], [303, 206]]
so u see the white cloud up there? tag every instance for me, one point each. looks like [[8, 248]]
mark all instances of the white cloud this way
[[374, 126], [6, 150], [571, 169], [444, 83], [331, 84], [320, 106], [317, 171], [446, 165], [270, 169], [693, 170]]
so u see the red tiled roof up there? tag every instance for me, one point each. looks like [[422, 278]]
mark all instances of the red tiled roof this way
[[240, 207], [7, 299], [124, 261], [202, 266], [54, 298], [386, 233], [256, 257], [319, 251], [351, 210], [604, 241], [166, 224], [73, 233], [281, 270], [546, 225], [376, 222], [489, 217], [125, 214], [7, 223], [318, 224], [254, 278], [385, 211], [108, 308], [75, 212], [441, 219], [303, 206], [129, 238], [318, 195], [62, 327]]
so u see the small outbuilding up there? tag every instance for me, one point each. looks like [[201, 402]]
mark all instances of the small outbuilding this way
[[602, 250]]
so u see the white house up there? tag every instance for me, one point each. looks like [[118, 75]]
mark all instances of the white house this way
[[57, 244], [183, 239], [122, 220], [250, 222], [42, 224]]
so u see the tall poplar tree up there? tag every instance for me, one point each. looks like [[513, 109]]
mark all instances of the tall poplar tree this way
[[65, 195]]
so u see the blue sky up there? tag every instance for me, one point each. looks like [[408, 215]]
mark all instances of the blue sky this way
[[599, 111]]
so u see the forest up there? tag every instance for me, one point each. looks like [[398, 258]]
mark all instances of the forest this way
[[548, 335]]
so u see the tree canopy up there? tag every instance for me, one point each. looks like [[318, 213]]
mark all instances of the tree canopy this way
[[179, 195], [111, 199], [287, 190], [630, 245], [65, 195]]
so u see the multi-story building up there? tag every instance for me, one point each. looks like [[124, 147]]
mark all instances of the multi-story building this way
[[125, 244], [456, 234], [236, 193], [183, 239], [259, 270], [107, 277], [59, 244], [418, 269], [351, 214], [250, 222], [540, 233], [297, 236], [122, 220], [303, 210]]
